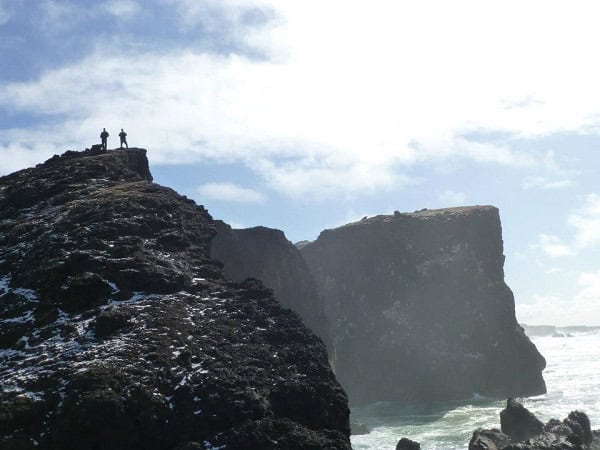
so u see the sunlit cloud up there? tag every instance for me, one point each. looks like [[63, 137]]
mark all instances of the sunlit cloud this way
[[331, 113], [452, 198], [553, 246], [557, 310], [230, 192], [586, 222], [589, 283], [546, 184], [582, 306], [121, 8]]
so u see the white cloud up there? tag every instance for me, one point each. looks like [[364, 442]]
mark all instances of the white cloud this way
[[335, 110], [586, 222], [121, 8], [230, 192], [589, 283], [5, 15], [557, 310], [234, 17], [546, 184], [58, 16], [553, 246], [452, 198], [581, 307]]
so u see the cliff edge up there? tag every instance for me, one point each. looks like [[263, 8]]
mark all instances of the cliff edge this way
[[118, 330], [419, 309]]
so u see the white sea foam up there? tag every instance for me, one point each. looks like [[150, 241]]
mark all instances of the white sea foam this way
[[571, 377]]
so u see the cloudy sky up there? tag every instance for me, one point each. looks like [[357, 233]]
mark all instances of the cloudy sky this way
[[304, 115]]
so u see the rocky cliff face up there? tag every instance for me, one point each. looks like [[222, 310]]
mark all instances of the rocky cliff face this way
[[266, 254], [419, 309], [118, 331]]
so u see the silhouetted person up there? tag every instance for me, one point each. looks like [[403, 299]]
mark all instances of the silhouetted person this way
[[123, 137], [104, 136]]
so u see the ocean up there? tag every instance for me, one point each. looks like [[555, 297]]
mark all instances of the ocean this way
[[572, 377]]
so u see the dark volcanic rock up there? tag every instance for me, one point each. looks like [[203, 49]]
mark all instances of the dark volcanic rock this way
[[118, 331], [492, 439], [265, 254], [526, 432], [518, 423], [407, 444], [419, 309]]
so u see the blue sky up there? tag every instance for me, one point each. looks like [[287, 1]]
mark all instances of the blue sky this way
[[307, 115]]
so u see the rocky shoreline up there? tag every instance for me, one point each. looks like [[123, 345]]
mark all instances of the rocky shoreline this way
[[521, 430], [126, 324]]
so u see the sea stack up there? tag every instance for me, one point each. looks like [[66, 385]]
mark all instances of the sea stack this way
[[118, 330], [419, 310]]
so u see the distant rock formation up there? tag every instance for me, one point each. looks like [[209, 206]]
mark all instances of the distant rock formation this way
[[419, 309], [265, 254], [521, 430], [118, 331]]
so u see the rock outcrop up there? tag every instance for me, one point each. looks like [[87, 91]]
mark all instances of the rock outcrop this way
[[521, 430], [518, 423], [419, 309], [118, 331], [265, 254], [407, 444]]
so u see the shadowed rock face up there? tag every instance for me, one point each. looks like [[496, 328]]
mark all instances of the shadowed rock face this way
[[118, 331], [419, 309], [265, 254]]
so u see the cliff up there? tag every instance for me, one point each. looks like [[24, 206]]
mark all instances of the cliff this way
[[419, 309], [266, 254], [118, 331]]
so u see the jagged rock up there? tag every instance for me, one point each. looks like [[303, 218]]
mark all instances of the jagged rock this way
[[118, 331], [407, 444], [525, 432], [492, 439], [419, 310], [518, 422], [265, 254], [580, 425]]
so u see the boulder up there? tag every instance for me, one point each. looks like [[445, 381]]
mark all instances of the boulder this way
[[518, 422], [407, 444], [492, 439]]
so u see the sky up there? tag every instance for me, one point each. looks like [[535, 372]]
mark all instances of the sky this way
[[307, 115]]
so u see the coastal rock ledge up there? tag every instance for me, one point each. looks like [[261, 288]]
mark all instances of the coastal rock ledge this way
[[118, 331]]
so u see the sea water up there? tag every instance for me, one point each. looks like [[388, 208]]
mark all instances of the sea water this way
[[572, 377]]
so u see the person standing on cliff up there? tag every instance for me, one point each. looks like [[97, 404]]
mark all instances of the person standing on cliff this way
[[104, 136], [123, 137]]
